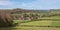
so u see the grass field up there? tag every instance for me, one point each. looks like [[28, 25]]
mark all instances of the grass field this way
[[31, 28], [42, 23], [52, 17], [36, 25]]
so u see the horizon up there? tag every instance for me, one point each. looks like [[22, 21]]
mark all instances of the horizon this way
[[26, 9], [30, 4]]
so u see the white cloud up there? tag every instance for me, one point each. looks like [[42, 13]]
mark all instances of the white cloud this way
[[41, 4], [24, 4], [30, 5], [5, 2]]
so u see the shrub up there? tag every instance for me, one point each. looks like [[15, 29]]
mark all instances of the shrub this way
[[5, 19]]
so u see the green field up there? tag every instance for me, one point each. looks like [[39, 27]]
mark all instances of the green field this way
[[42, 23], [52, 17], [37, 25]]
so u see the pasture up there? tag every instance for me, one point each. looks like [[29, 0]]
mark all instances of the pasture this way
[[45, 23]]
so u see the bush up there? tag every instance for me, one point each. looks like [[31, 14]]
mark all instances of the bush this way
[[5, 19]]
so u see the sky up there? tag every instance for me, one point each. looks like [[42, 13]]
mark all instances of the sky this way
[[30, 4]]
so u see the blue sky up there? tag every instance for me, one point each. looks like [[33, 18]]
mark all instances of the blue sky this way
[[30, 4]]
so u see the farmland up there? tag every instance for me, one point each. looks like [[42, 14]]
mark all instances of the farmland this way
[[37, 25], [31, 20]]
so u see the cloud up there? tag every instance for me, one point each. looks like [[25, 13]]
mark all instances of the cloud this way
[[6, 2], [30, 5], [41, 4]]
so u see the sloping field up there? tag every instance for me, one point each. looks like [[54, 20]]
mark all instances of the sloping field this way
[[35, 25], [46, 24], [41, 23], [52, 17], [31, 28]]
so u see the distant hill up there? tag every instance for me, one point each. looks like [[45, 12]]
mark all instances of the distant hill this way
[[25, 10]]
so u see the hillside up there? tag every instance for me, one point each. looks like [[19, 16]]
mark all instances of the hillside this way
[[30, 19]]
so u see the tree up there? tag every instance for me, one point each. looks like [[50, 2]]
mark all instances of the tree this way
[[5, 19]]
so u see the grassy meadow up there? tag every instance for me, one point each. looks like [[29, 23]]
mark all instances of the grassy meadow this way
[[30, 19], [41, 24]]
